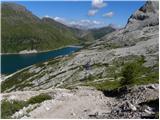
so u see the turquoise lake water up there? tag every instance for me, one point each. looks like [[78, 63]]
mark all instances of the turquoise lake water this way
[[13, 62]]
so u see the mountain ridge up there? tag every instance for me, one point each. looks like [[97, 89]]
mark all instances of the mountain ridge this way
[[22, 30], [21, 27]]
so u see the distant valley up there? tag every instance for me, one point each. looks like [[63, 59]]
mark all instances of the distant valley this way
[[22, 30]]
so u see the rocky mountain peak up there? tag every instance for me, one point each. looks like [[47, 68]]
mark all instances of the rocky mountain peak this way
[[150, 6], [147, 15]]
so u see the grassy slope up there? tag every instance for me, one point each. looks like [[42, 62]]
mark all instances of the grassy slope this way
[[22, 30], [97, 33]]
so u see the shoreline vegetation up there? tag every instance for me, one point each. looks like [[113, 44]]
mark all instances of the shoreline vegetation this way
[[36, 52]]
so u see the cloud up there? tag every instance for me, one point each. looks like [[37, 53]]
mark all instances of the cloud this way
[[92, 12], [98, 4], [59, 19], [109, 14], [47, 16], [85, 23], [97, 22], [82, 24]]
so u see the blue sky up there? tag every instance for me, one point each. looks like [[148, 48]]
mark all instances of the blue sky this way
[[98, 12]]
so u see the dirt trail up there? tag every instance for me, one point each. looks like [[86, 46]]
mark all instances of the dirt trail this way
[[83, 102], [80, 103]]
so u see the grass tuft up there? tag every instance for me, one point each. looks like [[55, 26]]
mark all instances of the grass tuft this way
[[8, 108]]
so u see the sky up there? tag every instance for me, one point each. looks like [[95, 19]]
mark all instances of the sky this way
[[95, 13]]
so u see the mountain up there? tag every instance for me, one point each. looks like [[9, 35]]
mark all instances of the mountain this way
[[147, 15], [116, 76], [22, 30], [142, 21], [100, 32]]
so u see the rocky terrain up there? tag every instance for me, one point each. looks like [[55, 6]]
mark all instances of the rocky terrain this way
[[87, 102], [62, 78]]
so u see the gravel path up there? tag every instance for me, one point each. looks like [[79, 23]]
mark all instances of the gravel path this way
[[83, 102]]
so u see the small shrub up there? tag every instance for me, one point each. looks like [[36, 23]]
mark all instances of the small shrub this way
[[151, 77], [39, 98], [130, 72], [8, 108], [112, 72], [142, 59], [90, 77], [106, 85]]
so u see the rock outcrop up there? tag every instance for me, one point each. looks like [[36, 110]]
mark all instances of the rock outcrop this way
[[86, 102], [147, 15]]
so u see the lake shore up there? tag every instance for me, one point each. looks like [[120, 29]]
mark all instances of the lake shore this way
[[4, 77], [27, 53], [7, 75]]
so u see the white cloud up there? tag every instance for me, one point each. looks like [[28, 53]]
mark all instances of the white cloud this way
[[85, 23], [109, 14], [98, 4], [59, 19], [96, 22], [92, 12], [47, 16]]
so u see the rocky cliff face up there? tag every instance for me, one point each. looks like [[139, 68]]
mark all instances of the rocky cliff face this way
[[143, 21], [106, 57], [147, 15]]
